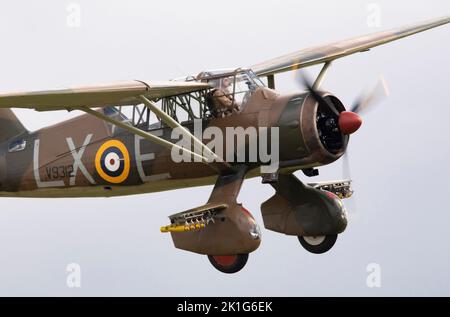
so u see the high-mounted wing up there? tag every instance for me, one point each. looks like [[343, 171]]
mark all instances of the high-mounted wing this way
[[329, 52], [125, 93], [117, 94]]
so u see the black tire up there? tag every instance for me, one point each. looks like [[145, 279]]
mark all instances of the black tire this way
[[321, 247], [229, 264]]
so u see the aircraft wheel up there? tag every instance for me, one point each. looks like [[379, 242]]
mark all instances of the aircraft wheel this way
[[228, 263], [318, 244]]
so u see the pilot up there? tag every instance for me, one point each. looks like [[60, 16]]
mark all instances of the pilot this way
[[222, 99]]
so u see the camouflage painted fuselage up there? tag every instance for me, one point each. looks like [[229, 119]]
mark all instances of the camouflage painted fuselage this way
[[71, 159]]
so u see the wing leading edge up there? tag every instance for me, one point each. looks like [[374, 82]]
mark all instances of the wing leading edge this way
[[329, 52]]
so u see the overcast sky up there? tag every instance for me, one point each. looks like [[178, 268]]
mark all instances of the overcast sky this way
[[399, 157]]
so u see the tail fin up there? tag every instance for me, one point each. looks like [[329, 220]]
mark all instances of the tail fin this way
[[10, 126]]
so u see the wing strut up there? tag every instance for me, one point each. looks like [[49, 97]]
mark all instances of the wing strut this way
[[171, 122], [219, 165], [321, 76], [142, 133]]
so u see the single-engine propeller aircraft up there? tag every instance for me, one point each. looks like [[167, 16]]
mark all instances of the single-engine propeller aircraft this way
[[107, 152]]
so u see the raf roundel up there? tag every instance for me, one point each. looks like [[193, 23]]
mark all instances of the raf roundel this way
[[112, 162]]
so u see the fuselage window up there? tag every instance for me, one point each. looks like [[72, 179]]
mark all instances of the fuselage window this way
[[17, 145]]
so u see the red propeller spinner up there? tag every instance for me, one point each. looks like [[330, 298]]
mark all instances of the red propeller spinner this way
[[349, 122]]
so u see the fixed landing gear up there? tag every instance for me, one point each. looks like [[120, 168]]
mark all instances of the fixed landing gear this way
[[318, 244], [228, 263]]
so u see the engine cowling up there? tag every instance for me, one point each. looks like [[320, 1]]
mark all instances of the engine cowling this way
[[310, 133]]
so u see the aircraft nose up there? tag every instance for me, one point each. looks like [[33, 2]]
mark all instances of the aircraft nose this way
[[349, 122]]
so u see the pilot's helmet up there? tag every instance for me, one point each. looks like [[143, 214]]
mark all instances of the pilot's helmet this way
[[227, 81]]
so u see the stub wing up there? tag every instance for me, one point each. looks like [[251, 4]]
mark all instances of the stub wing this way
[[329, 52], [116, 94], [194, 219]]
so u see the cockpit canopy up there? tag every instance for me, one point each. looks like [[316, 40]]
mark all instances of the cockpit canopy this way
[[238, 83]]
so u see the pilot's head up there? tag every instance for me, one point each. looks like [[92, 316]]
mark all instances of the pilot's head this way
[[226, 82]]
